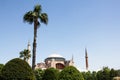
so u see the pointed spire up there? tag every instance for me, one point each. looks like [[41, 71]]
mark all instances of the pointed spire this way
[[86, 59], [72, 59], [86, 55], [71, 63]]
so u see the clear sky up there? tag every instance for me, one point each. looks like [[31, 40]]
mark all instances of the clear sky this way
[[73, 26]]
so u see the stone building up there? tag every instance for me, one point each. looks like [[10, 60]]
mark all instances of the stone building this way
[[55, 61]]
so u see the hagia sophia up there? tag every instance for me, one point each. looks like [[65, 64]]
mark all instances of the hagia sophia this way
[[57, 61]]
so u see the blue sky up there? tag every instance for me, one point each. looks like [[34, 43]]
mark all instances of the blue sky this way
[[72, 27]]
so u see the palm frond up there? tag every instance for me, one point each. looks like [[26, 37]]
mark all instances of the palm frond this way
[[28, 17], [44, 18], [37, 8], [21, 54], [25, 54]]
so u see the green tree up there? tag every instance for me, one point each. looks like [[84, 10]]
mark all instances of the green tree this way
[[106, 73], [25, 54], [94, 75], [50, 74], [39, 74], [99, 75], [89, 75], [35, 17], [17, 69], [70, 73], [1, 66], [113, 73], [84, 75], [103, 74], [118, 72]]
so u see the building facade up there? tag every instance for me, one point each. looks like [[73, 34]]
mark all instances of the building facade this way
[[55, 61]]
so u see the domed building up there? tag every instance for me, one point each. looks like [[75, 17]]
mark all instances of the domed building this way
[[55, 61]]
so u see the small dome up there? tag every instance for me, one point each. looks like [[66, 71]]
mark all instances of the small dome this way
[[55, 55]]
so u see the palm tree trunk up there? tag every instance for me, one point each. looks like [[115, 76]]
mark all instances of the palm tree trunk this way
[[34, 44]]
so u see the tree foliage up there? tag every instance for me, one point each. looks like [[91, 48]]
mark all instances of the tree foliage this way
[[1, 66], [113, 73], [25, 54], [118, 72], [39, 74], [89, 76], [70, 73], [94, 73], [103, 74], [50, 74], [17, 69]]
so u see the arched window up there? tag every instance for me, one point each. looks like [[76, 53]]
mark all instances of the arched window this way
[[59, 66]]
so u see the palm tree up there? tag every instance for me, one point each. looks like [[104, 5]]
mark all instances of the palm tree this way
[[25, 55], [35, 17]]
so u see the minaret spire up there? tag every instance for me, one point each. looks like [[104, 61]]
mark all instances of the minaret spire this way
[[86, 59], [28, 46], [71, 63], [72, 59], [29, 49]]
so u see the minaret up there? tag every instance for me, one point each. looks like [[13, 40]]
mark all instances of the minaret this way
[[28, 48], [86, 59]]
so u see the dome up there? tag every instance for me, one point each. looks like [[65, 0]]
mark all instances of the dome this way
[[55, 55]]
